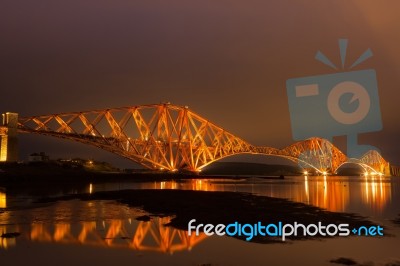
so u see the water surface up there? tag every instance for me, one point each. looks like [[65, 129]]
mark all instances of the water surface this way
[[105, 232]]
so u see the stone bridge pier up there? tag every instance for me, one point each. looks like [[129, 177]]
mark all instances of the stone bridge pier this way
[[8, 138]]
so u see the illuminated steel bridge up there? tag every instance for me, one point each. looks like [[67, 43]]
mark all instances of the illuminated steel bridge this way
[[170, 137]]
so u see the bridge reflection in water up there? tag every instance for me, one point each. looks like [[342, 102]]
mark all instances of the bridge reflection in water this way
[[62, 222], [142, 236]]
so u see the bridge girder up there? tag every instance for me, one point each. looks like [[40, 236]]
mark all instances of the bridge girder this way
[[165, 136], [160, 136]]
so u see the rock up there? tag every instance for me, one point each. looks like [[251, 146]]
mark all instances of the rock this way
[[10, 235]]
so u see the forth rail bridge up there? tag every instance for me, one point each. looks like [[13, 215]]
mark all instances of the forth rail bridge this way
[[172, 138]]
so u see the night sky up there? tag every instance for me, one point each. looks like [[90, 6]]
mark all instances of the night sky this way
[[227, 60]]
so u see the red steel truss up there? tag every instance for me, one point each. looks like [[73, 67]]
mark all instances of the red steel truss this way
[[165, 136]]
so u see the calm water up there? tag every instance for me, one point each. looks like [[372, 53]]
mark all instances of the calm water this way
[[107, 233]]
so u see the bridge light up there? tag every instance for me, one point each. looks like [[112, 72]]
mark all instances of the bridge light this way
[[324, 173], [187, 142], [366, 173]]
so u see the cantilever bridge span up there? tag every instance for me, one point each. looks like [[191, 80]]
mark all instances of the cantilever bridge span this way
[[170, 137]]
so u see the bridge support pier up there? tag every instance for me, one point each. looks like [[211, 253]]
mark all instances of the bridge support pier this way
[[8, 138], [386, 170], [395, 170]]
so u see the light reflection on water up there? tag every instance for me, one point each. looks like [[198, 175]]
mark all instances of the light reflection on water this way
[[336, 193], [113, 226], [143, 236], [66, 227], [376, 192], [3, 201], [367, 195]]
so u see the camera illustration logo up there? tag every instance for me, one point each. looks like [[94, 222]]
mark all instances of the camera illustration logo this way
[[344, 103]]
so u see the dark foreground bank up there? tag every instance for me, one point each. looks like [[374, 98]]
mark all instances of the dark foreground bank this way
[[222, 207]]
